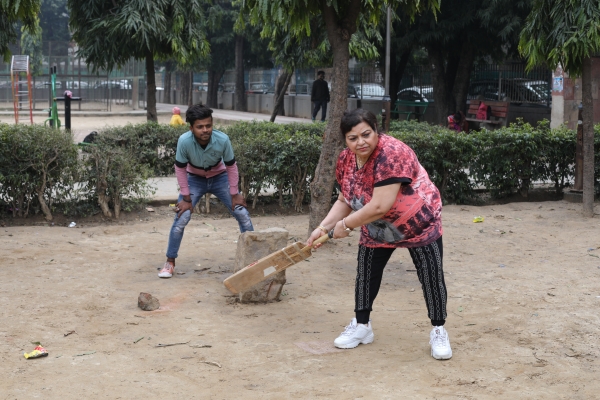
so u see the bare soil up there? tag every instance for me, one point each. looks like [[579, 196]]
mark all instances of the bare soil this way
[[524, 292]]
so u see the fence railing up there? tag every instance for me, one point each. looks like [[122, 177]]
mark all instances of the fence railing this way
[[507, 82]]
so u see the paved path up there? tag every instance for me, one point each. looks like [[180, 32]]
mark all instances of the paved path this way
[[165, 109]]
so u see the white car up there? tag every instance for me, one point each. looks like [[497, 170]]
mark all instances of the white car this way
[[417, 94]]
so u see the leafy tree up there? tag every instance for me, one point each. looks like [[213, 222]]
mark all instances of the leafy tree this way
[[220, 20], [341, 21], [293, 52], [54, 20], [462, 32], [567, 33], [31, 45], [12, 12], [111, 33]]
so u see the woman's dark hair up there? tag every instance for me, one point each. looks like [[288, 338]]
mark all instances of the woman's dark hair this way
[[196, 112], [352, 118]]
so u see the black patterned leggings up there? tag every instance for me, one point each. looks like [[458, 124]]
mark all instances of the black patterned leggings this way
[[428, 262]]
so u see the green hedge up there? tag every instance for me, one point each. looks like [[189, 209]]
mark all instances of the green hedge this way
[[284, 156], [504, 161], [41, 168], [37, 168]]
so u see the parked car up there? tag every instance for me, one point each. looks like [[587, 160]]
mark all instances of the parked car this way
[[368, 90], [77, 85], [116, 84], [258, 88], [517, 91], [203, 87], [416, 94], [41, 85]]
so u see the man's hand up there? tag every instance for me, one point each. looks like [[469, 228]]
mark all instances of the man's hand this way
[[183, 206], [237, 199]]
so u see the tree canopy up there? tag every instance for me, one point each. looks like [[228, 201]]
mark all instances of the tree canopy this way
[[54, 20], [111, 33], [11, 13], [463, 32], [561, 32]]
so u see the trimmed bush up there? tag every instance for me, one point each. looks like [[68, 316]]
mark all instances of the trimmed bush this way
[[117, 165], [40, 168], [284, 156], [445, 154], [37, 168]]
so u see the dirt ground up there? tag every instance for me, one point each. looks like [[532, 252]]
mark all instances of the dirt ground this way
[[523, 286]]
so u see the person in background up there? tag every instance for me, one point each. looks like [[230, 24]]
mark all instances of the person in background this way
[[395, 205], [204, 163], [458, 122], [320, 96], [176, 117]]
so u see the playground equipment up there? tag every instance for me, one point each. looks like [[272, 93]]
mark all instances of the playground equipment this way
[[53, 111], [21, 88]]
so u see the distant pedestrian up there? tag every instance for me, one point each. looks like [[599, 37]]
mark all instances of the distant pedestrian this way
[[176, 118], [320, 96]]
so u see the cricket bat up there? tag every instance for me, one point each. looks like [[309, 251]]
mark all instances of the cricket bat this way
[[273, 263]]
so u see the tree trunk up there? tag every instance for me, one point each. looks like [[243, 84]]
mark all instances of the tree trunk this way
[[397, 68], [212, 94], [282, 84], [150, 89], [191, 89], [463, 77], [185, 84], [588, 139], [440, 88], [240, 90], [321, 188], [167, 87], [43, 205]]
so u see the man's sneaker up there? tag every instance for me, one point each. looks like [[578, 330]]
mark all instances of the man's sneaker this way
[[355, 334], [166, 271], [440, 343]]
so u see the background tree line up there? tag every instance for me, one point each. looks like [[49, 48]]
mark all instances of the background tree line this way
[[451, 36]]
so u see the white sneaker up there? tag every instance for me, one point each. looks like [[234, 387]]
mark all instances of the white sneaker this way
[[355, 334], [440, 343], [166, 271]]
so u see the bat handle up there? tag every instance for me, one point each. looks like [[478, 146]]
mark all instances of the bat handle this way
[[320, 240]]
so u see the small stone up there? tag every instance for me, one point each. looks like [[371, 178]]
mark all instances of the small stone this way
[[147, 302]]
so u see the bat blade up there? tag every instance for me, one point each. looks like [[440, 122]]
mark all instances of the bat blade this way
[[266, 267]]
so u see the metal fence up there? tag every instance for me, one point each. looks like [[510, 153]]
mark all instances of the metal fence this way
[[99, 90], [505, 82]]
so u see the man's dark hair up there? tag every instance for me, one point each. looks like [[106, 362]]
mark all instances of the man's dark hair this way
[[352, 118], [196, 112], [321, 73]]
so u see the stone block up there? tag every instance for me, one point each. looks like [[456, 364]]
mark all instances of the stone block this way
[[253, 246]]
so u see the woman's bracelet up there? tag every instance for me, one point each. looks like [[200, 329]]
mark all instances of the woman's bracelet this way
[[321, 227], [345, 227]]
